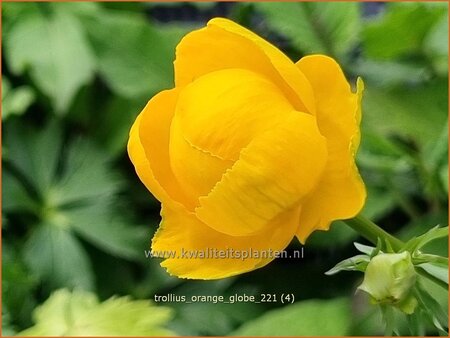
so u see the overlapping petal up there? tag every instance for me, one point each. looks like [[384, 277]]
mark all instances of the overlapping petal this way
[[216, 116], [223, 44], [148, 148], [184, 236], [340, 194], [273, 174]]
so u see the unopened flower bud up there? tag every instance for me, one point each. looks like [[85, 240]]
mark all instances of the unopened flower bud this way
[[389, 279]]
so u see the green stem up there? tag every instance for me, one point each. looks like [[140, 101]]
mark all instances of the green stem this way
[[372, 232]]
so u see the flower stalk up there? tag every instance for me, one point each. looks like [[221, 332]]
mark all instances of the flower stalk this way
[[372, 232]]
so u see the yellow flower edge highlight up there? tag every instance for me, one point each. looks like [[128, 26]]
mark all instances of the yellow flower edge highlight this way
[[246, 152]]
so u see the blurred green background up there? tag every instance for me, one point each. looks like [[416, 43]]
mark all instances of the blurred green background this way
[[76, 217]]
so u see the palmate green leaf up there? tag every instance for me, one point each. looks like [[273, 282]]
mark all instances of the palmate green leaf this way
[[55, 255], [87, 175], [393, 34], [81, 314], [35, 154], [138, 61], [324, 27], [54, 50], [95, 223], [305, 318], [68, 189]]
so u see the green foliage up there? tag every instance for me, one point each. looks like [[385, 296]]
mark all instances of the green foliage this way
[[80, 313], [330, 28], [306, 318], [51, 46], [418, 17], [137, 61], [68, 189]]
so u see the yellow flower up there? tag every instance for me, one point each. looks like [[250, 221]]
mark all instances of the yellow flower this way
[[246, 152]]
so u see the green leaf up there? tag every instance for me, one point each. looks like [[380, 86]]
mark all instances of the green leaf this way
[[138, 61], [54, 50], [35, 154], [415, 324], [15, 101], [88, 175], [432, 309], [14, 195], [431, 235], [81, 314], [355, 263], [386, 37], [305, 318], [326, 27], [55, 255], [436, 270], [97, 224], [365, 249]]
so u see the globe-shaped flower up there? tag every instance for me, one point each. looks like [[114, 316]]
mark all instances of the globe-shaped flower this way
[[246, 152]]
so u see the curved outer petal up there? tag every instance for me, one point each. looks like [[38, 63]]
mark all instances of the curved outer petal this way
[[272, 175], [224, 44], [185, 237], [340, 194], [148, 148]]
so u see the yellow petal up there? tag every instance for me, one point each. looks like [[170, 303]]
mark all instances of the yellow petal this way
[[184, 236], [197, 170], [223, 111], [216, 116], [272, 175], [148, 148], [140, 162], [224, 44], [340, 194]]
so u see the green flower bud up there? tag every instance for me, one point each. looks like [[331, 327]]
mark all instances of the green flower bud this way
[[389, 279]]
